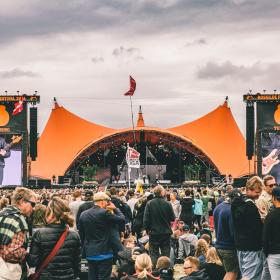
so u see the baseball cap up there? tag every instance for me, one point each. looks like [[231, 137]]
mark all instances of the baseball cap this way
[[101, 196], [186, 227], [276, 192]]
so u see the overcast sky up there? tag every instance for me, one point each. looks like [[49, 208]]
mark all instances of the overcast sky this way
[[185, 55]]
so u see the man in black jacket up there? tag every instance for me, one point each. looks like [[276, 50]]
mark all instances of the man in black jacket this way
[[95, 228], [248, 230], [271, 238], [158, 216]]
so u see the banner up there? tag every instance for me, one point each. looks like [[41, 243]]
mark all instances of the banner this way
[[270, 151], [132, 158], [10, 159], [268, 115]]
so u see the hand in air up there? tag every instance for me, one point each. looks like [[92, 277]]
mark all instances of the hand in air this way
[[3, 152]]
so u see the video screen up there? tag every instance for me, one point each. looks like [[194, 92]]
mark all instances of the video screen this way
[[10, 159], [270, 149]]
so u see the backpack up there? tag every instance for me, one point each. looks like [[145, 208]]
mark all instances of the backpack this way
[[238, 206]]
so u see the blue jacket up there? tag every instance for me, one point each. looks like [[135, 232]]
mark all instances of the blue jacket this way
[[224, 226], [95, 228]]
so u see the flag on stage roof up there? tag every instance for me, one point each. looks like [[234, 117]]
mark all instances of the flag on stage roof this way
[[18, 108], [132, 87]]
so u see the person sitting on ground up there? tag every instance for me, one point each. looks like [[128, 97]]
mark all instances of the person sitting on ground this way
[[143, 268], [191, 269], [205, 230], [206, 237], [201, 250], [187, 243], [213, 265], [163, 269], [126, 258]]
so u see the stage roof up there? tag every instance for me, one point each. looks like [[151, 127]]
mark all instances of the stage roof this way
[[66, 135]]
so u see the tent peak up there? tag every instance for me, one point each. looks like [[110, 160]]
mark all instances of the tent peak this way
[[55, 104], [226, 102], [140, 121]]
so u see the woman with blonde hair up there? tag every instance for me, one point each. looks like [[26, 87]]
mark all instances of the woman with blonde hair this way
[[201, 250], [66, 262], [143, 268], [213, 265]]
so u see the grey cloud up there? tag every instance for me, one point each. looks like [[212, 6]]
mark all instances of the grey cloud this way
[[17, 73], [200, 41], [127, 54], [40, 18], [97, 60], [214, 70]]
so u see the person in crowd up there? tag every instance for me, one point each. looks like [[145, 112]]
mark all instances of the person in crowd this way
[[75, 204], [143, 268], [213, 265], [222, 196], [163, 269], [132, 200], [88, 198], [66, 263], [138, 215], [205, 230], [205, 200], [14, 234], [4, 202], [264, 202], [126, 258], [198, 210], [187, 243], [248, 230], [95, 228], [207, 238], [201, 251], [225, 236], [175, 204], [158, 216], [187, 204], [39, 213], [191, 270], [271, 237]]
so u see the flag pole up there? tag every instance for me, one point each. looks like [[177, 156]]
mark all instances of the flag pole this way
[[132, 119]]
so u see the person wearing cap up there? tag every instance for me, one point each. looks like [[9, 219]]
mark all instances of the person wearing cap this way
[[88, 198], [95, 228], [271, 237], [187, 242]]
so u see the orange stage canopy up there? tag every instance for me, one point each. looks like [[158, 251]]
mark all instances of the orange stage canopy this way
[[66, 135]]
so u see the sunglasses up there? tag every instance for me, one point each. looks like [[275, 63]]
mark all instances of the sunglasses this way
[[187, 267], [272, 185], [32, 203]]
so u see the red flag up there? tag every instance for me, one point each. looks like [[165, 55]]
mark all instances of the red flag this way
[[18, 108], [132, 87]]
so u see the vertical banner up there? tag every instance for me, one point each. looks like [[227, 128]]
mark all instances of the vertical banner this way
[[270, 150], [10, 159]]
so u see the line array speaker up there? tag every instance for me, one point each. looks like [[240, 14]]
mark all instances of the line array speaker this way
[[250, 130], [33, 133]]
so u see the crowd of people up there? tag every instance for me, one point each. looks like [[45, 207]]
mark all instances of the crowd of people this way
[[212, 233]]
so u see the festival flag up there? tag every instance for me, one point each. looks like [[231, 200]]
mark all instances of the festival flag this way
[[132, 158], [132, 87], [18, 108]]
